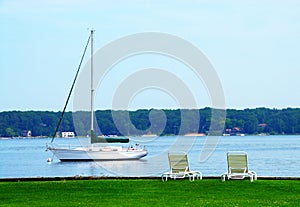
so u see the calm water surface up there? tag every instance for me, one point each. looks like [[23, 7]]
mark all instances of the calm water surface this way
[[268, 156]]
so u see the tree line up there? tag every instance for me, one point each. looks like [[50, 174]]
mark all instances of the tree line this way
[[152, 121]]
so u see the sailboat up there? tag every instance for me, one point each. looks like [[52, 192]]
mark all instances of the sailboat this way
[[92, 152]]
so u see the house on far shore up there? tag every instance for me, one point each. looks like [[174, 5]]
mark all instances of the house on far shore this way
[[26, 133], [68, 134]]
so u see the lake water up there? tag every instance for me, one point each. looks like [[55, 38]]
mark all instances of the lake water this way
[[267, 156]]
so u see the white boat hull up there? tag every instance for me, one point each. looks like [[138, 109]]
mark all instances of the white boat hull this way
[[97, 154]]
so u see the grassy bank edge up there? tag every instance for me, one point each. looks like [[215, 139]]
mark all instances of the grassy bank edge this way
[[125, 178]]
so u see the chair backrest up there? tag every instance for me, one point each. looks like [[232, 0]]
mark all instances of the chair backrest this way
[[178, 163], [237, 162]]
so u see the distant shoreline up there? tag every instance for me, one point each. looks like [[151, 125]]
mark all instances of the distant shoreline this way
[[259, 121], [142, 136]]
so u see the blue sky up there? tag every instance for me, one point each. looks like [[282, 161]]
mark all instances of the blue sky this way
[[253, 46]]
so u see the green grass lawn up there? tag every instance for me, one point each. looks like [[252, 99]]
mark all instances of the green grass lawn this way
[[152, 192]]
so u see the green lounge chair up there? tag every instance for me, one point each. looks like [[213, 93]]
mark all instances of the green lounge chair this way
[[238, 167], [179, 168]]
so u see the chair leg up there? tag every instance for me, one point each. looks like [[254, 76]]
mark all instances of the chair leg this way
[[254, 175], [164, 177], [199, 176]]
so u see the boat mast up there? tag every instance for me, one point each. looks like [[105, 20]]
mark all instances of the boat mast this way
[[92, 83]]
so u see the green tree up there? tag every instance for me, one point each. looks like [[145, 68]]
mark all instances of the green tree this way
[[10, 132]]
